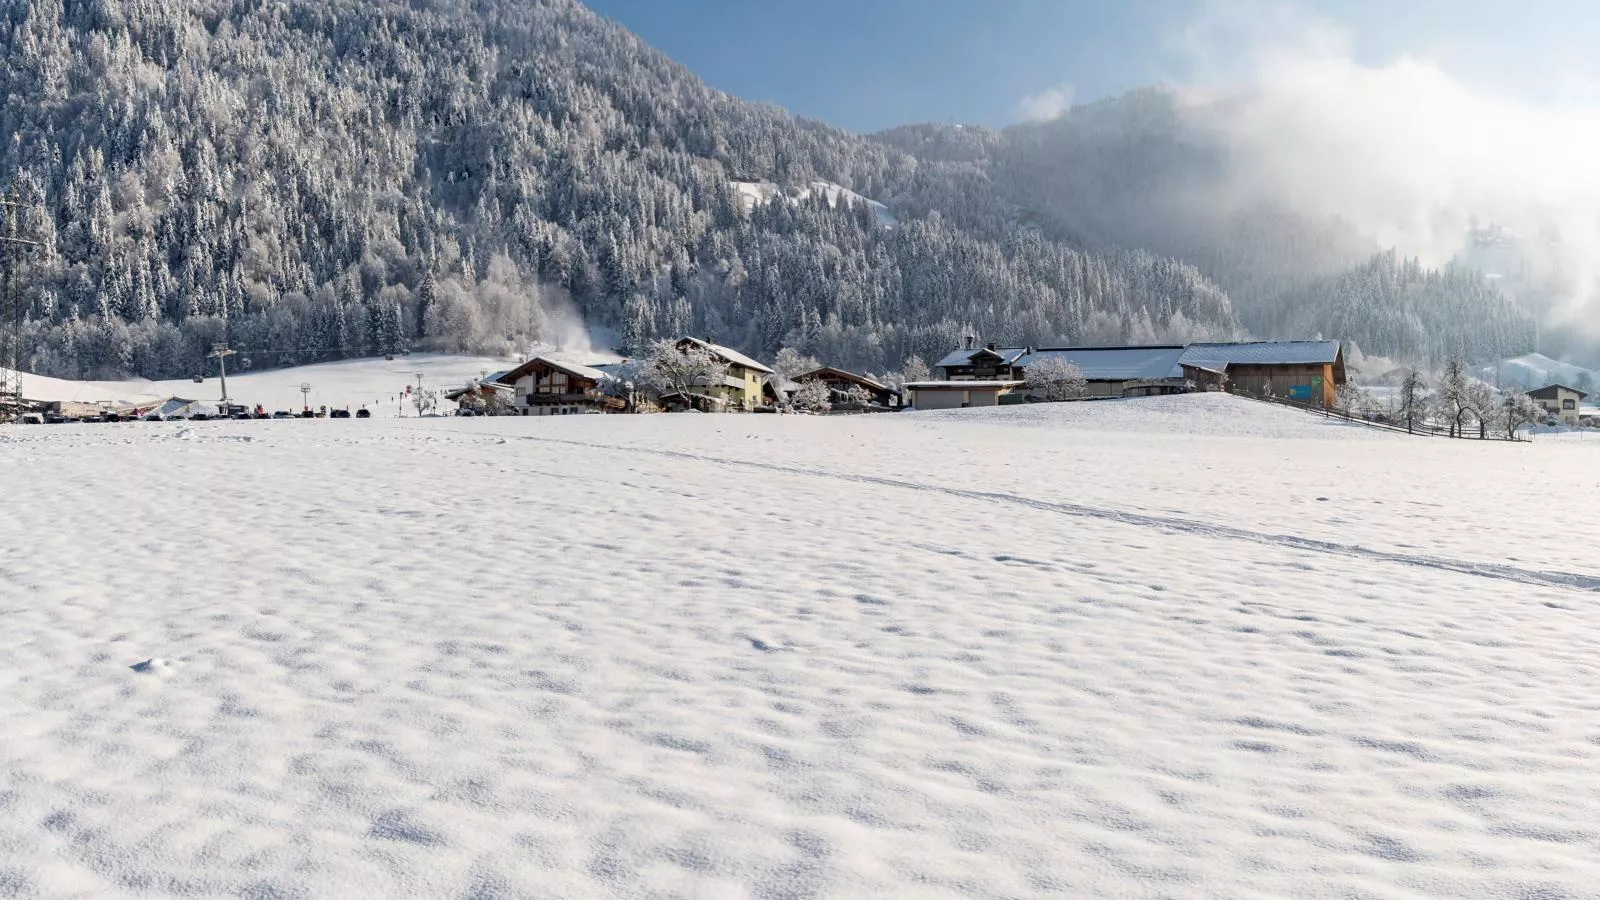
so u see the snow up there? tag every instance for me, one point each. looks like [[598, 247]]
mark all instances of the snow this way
[[376, 383], [1535, 370], [755, 192], [1171, 647]]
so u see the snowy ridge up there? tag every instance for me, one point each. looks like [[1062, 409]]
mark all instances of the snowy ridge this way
[[1535, 370], [754, 192], [1181, 646]]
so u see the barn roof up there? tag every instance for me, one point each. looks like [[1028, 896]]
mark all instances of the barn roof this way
[[1115, 363], [1261, 353]]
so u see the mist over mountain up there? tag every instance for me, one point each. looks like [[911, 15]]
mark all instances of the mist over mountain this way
[[315, 180], [1151, 169]]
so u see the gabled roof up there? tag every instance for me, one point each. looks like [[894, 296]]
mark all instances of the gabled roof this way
[[733, 357], [842, 375], [1548, 392], [1115, 363], [963, 357], [1261, 353], [573, 369]]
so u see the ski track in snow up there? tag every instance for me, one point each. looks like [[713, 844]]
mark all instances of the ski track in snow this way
[[1135, 650]]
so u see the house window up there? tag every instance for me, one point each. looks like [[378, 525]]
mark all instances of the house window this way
[[1569, 404]]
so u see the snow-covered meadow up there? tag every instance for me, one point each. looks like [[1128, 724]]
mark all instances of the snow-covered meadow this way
[[1173, 647]]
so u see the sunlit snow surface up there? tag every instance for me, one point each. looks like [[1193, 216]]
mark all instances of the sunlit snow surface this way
[[1175, 647]]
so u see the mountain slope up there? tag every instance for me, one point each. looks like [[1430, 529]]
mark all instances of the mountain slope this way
[[316, 180]]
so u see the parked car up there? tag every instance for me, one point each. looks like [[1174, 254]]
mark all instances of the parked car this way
[[339, 414], [363, 413], [199, 417], [31, 418], [283, 414]]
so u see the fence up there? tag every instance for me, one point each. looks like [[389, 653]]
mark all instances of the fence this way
[[1421, 429]]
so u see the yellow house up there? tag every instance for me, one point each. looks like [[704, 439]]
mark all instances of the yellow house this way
[[1560, 401], [742, 387]]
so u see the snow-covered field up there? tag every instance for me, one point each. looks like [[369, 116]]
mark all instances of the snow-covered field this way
[[1173, 647], [375, 383]]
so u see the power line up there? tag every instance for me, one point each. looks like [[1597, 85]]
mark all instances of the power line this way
[[12, 313]]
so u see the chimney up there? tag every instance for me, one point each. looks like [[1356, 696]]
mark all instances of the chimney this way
[[972, 341], [993, 347]]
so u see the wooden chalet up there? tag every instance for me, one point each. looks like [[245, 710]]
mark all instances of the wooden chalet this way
[[548, 387], [840, 382]]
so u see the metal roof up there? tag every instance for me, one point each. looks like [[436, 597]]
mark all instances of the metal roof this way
[[1115, 363], [964, 356], [1261, 353]]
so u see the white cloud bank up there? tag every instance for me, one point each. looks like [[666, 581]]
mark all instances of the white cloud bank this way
[[1405, 150], [1047, 105]]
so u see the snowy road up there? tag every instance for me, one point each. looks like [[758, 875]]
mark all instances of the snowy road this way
[[1182, 647]]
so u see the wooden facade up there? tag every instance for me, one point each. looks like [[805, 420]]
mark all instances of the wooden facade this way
[[840, 382]]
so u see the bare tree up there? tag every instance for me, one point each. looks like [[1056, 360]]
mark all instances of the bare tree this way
[[915, 369], [1053, 378], [1519, 410], [857, 396], [1413, 399], [1453, 394], [671, 369], [813, 396], [1481, 402], [791, 362]]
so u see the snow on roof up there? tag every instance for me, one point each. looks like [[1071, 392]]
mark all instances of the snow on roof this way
[[731, 355], [1115, 363], [1548, 392], [592, 373], [825, 371], [1261, 353], [964, 356], [959, 385]]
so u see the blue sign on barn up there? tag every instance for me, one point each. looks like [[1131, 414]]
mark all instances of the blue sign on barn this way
[[1300, 392]]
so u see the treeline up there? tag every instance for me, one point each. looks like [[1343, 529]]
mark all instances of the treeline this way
[[311, 180]]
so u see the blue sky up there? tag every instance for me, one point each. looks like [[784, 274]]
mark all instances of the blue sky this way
[[869, 64]]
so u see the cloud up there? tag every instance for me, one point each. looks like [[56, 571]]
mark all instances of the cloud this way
[[1406, 150], [1047, 104]]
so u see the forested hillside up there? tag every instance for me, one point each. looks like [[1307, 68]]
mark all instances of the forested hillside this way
[[320, 178]]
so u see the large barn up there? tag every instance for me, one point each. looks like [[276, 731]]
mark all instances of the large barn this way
[[1304, 371]]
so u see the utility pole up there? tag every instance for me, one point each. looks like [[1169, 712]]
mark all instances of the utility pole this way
[[305, 396], [220, 353], [12, 246]]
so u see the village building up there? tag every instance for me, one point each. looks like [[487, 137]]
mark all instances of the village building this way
[[742, 388], [964, 393], [1560, 402], [549, 387], [840, 382], [1120, 371], [1305, 371], [988, 363]]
